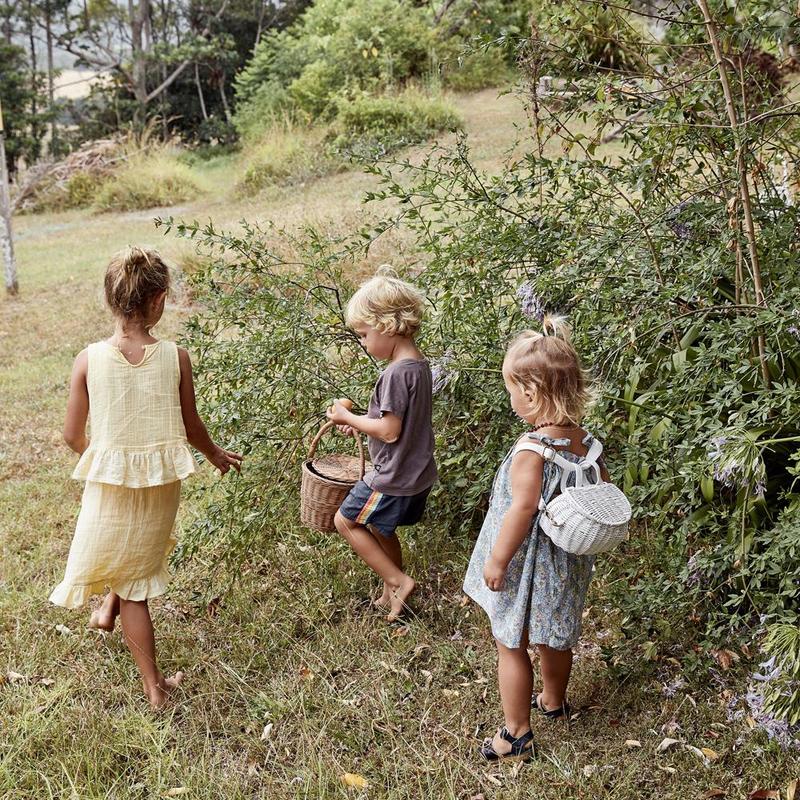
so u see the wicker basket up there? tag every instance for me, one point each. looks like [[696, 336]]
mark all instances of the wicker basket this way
[[326, 482]]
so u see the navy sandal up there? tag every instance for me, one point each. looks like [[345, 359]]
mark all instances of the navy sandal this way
[[564, 710], [522, 747]]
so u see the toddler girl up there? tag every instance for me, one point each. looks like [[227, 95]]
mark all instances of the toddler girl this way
[[532, 590], [140, 395]]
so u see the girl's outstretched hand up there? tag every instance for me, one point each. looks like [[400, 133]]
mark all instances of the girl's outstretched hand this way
[[223, 460], [494, 573]]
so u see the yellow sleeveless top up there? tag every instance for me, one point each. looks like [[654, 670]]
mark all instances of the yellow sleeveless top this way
[[137, 434]]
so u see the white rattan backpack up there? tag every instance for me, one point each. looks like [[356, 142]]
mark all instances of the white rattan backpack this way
[[586, 518]]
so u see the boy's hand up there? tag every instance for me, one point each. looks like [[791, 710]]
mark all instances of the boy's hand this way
[[494, 573], [223, 460], [347, 430], [338, 413]]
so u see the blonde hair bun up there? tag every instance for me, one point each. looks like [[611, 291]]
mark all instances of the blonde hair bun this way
[[387, 304], [557, 325], [133, 277]]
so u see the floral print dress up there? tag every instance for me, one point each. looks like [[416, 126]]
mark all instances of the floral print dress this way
[[545, 586]]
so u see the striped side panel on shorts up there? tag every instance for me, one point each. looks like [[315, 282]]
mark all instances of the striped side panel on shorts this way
[[369, 507]]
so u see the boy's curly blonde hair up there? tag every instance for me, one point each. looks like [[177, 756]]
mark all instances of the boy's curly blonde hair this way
[[134, 276], [387, 304], [546, 365]]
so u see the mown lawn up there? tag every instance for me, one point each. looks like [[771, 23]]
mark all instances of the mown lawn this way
[[292, 679]]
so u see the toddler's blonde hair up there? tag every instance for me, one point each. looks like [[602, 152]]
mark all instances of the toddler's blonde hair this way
[[387, 304], [546, 365], [134, 276]]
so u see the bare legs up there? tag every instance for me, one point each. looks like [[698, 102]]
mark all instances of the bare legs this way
[[515, 679], [556, 666], [104, 617], [391, 546], [138, 629], [373, 554]]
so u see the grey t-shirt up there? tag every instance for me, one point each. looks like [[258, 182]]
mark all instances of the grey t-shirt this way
[[405, 467]]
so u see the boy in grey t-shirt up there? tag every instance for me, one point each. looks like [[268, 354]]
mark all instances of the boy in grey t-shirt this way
[[386, 314]]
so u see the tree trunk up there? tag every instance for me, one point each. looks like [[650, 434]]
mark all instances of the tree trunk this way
[[6, 241], [224, 97], [51, 92], [200, 91], [138, 14]]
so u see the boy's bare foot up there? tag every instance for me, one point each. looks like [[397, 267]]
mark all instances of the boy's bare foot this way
[[101, 620], [158, 695], [399, 596], [385, 597]]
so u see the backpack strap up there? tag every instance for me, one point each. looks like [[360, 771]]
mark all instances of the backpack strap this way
[[548, 453]]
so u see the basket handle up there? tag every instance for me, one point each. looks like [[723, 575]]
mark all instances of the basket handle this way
[[323, 430]]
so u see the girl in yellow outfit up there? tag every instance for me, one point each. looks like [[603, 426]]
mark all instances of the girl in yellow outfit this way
[[139, 395]]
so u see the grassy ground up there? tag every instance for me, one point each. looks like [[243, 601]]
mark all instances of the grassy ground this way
[[292, 679]]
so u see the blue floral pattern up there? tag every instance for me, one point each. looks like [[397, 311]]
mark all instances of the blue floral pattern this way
[[545, 587]]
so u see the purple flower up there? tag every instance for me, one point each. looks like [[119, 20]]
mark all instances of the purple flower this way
[[440, 372], [530, 303], [795, 331], [673, 687], [760, 488], [694, 571], [680, 229], [770, 671]]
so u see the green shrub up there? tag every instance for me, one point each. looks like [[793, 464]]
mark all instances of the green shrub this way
[[337, 45], [287, 153], [476, 69], [368, 123], [698, 375], [149, 181]]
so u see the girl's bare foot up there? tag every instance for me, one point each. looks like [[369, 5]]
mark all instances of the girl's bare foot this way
[[385, 598], [158, 695], [101, 620], [398, 598]]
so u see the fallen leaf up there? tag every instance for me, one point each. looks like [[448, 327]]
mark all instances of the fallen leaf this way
[[478, 797], [632, 743], [711, 755], [450, 693], [464, 602], [63, 630], [751, 723], [716, 792], [354, 781], [791, 790], [666, 744], [177, 791], [401, 630], [764, 794], [670, 770], [306, 674], [590, 770], [724, 658], [265, 734], [15, 677], [696, 751], [213, 607]]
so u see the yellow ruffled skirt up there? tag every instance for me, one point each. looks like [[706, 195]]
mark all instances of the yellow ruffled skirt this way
[[122, 541]]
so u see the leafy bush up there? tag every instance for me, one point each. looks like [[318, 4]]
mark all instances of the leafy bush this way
[[676, 260], [287, 153], [149, 181], [368, 123], [337, 45]]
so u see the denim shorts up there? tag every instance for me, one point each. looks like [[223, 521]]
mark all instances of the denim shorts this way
[[384, 512]]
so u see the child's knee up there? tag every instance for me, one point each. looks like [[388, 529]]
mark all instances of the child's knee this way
[[341, 523]]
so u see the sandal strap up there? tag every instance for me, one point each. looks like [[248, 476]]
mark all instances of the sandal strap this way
[[564, 710], [517, 743]]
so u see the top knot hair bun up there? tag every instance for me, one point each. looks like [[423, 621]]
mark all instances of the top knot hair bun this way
[[133, 277], [557, 325]]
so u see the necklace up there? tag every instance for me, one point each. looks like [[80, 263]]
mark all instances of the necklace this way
[[548, 425]]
